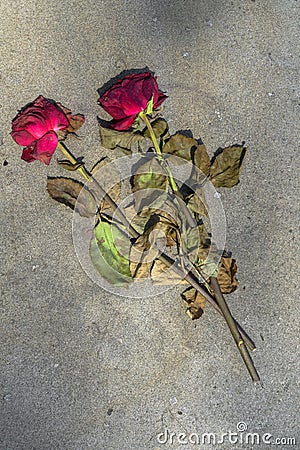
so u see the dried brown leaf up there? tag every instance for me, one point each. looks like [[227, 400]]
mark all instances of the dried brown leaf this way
[[142, 255], [181, 146], [122, 140], [149, 175], [67, 190], [160, 231], [226, 166], [197, 203], [226, 276], [201, 159], [188, 148], [196, 302], [160, 128], [75, 122], [114, 191], [161, 274]]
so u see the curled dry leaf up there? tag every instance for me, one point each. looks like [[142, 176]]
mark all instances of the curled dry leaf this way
[[142, 254], [209, 261], [66, 191], [197, 204], [164, 222], [208, 258], [137, 220], [161, 274], [227, 275], [160, 231], [195, 301], [198, 239], [75, 122]]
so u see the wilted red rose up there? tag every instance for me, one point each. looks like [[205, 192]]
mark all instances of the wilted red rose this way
[[36, 127], [128, 97]]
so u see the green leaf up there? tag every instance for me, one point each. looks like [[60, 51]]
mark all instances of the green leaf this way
[[149, 175], [66, 191], [226, 166], [122, 140], [109, 251]]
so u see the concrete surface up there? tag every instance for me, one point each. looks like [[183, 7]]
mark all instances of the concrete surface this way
[[81, 369]]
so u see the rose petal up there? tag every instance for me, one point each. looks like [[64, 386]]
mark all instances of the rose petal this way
[[54, 116], [22, 137], [122, 124], [28, 154], [150, 89], [20, 122], [36, 125], [39, 101], [47, 144], [115, 111], [130, 104], [45, 110], [135, 93], [161, 98], [130, 95], [45, 158], [110, 102]]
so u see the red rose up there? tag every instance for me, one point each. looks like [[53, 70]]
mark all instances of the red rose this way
[[36, 127], [128, 97]]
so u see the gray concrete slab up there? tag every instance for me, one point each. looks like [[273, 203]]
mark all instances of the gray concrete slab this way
[[82, 369]]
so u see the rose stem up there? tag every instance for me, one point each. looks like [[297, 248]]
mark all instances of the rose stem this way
[[194, 282], [173, 184], [234, 330], [88, 176], [165, 165], [163, 257], [215, 285]]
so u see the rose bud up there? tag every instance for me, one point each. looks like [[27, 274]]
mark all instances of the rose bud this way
[[36, 127], [128, 97]]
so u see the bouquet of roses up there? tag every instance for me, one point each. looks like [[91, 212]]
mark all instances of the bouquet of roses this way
[[152, 210]]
